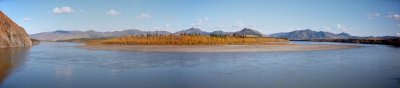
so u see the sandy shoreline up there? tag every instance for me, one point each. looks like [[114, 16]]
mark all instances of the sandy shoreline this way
[[218, 48]]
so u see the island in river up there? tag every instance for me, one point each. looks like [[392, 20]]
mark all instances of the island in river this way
[[196, 40], [202, 43]]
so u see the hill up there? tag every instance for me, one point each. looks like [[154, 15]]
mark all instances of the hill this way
[[308, 34]]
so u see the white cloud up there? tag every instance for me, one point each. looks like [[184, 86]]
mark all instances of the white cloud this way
[[336, 28], [201, 21], [394, 16], [398, 34], [27, 19], [339, 25], [205, 19], [222, 26], [156, 28], [63, 10], [373, 15], [167, 26], [342, 28], [238, 24], [294, 28], [144, 16], [326, 28], [113, 12]]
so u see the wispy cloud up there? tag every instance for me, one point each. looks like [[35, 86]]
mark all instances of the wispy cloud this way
[[201, 21], [238, 24], [326, 28], [394, 16], [144, 16], [113, 12], [27, 19], [167, 25], [342, 28], [63, 10], [336, 28], [222, 26], [373, 15]]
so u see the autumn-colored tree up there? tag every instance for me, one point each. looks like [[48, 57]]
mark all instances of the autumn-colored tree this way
[[186, 39]]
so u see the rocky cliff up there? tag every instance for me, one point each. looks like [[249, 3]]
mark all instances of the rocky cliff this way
[[12, 35]]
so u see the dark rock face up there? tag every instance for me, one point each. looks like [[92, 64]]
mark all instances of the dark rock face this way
[[12, 35], [309, 34]]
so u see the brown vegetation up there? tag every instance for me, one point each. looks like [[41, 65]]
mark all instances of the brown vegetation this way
[[185, 40]]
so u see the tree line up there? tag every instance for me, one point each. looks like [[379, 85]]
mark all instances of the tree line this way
[[185, 39]]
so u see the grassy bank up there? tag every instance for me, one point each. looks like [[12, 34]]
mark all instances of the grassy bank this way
[[185, 40], [395, 41]]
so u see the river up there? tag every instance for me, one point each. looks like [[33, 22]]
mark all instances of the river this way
[[62, 65]]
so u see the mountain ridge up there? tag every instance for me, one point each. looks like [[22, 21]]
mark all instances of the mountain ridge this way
[[309, 34], [66, 35]]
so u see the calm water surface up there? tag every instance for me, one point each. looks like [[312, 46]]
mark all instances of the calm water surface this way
[[61, 65]]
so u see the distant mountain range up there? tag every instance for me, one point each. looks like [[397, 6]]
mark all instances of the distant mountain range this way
[[66, 35], [308, 34]]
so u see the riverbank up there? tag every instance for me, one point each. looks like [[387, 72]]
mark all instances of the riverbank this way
[[218, 48], [384, 41]]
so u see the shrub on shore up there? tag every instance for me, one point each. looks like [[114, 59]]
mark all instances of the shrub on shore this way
[[185, 40]]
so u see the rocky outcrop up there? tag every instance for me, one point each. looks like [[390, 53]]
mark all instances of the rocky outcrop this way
[[12, 35]]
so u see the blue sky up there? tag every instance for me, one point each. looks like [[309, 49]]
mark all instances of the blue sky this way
[[357, 17]]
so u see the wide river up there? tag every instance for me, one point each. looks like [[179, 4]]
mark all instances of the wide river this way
[[61, 65]]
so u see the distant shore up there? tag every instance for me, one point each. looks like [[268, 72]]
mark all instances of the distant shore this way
[[218, 48]]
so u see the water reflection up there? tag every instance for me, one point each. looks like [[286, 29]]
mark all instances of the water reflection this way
[[11, 58]]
